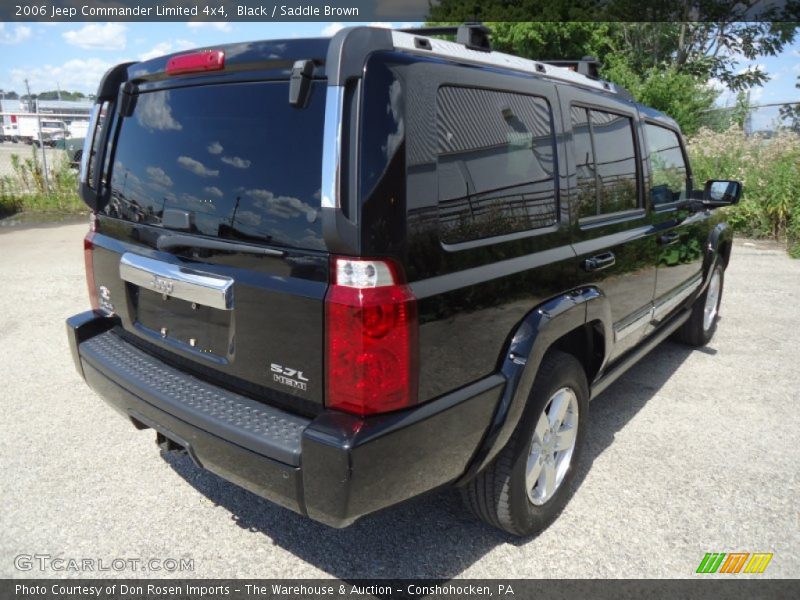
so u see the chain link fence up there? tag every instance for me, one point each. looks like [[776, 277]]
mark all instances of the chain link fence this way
[[764, 120], [40, 147]]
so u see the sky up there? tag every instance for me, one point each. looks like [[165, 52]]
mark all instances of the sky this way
[[75, 55]]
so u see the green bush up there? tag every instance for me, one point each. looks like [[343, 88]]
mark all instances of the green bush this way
[[769, 168], [26, 190]]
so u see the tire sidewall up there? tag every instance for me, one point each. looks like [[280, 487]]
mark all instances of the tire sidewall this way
[[528, 516]]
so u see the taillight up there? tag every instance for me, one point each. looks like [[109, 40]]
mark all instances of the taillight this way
[[371, 338], [88, 261], [206, 60]]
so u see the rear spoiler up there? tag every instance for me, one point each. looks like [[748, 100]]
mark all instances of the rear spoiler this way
[[95, 144]]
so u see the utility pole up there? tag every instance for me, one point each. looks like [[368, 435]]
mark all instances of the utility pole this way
[[41, 141]]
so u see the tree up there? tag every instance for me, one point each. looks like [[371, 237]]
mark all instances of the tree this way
[[741, 110], [55, 95], [705, 50], [676, 94]]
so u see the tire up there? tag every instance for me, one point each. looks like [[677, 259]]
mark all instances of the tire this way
[[702, 324], [499, 494]]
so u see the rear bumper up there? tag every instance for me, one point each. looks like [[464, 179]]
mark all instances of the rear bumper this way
[[334, 468]]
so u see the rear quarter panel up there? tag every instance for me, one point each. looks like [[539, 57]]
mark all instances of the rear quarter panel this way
[[471, 296]]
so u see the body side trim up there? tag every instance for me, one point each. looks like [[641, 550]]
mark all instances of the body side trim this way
[[443, 283]]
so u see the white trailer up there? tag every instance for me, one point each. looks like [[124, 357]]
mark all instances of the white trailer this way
[[52, 129]]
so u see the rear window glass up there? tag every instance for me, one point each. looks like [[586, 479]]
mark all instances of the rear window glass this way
[[496, 163], [242, 161]]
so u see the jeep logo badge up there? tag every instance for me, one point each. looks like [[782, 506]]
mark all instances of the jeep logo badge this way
[[162, 285]]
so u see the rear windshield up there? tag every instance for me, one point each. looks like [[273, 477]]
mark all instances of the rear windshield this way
[[242, 161]]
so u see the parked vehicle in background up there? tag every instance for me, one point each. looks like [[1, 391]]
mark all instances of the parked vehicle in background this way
[[77, 129], [73, 143], [74, 149], [52, 130], [10, 131], [344, 272]]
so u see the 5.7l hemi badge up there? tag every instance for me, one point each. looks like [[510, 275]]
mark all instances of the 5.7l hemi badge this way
[[291, 377]]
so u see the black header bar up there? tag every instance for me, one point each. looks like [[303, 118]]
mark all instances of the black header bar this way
[[400, 10], [730, 587]]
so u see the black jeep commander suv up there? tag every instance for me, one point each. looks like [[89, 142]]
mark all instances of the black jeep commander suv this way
[[343, 272]]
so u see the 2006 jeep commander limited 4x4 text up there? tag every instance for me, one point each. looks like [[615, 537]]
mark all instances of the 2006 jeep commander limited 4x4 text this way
[[343, 272]]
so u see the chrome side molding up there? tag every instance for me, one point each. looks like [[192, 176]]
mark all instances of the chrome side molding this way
[[332, 146], [634, 324], [666, 305], [655, 312], [176, 281]]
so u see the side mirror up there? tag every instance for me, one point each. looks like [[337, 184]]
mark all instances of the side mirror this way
[[722, 191]]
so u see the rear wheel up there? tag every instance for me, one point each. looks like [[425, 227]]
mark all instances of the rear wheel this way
[[702, 323], [529, 481]]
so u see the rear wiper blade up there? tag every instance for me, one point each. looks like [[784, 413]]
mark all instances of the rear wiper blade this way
[[170, 242]]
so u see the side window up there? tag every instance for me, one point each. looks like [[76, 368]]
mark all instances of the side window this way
[[495, 163], [588, 201], [669, 181], [605, 158]]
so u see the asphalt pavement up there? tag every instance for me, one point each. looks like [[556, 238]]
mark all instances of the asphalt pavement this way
[[692, 451]]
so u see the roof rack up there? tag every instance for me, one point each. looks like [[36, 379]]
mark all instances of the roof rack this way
[[474, 36], [588, 66], [415, 42]]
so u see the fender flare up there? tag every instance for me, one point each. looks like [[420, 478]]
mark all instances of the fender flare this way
[[523, 354], [719, 235]]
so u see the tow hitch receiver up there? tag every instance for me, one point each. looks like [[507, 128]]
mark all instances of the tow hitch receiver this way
[[167, 445]]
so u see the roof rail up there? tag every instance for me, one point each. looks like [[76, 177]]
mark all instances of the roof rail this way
[[583, 72], [474, 36], [588, 65]]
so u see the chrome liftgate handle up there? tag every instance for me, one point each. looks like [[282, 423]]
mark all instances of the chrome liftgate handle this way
[[207, 289]]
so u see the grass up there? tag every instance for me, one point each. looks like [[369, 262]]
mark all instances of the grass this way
[[25, 190], [769, 168]]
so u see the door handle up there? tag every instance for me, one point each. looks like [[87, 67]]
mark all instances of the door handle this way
[[599, 262], [669, 238]]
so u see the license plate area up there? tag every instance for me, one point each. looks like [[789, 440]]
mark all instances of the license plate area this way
[[183, 307], [191, 326]]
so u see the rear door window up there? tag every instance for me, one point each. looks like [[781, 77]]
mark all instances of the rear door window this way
[[605, 158], [238, 158]]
